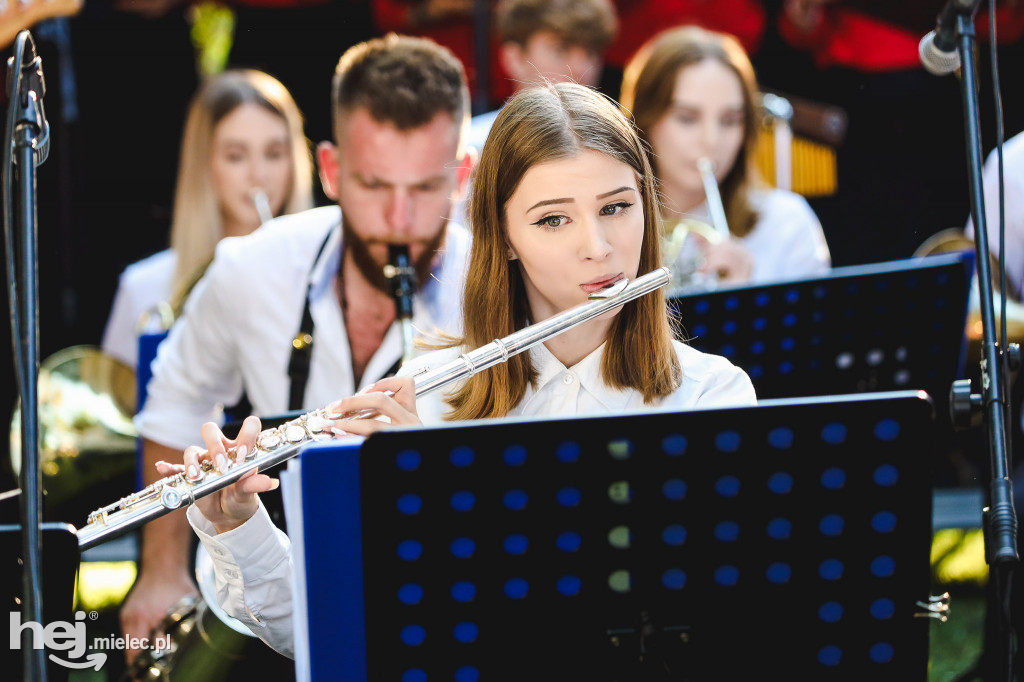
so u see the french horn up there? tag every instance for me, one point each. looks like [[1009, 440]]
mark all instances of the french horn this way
[[87, 439], [954, 239]]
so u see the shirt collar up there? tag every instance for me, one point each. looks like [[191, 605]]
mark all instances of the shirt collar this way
[[587, 371]]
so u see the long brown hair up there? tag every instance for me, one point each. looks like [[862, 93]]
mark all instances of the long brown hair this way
[[650, 79], [197, 225], [539, 125]]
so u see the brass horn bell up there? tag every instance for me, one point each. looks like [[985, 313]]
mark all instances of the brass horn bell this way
[[954, 239], [87, 439]]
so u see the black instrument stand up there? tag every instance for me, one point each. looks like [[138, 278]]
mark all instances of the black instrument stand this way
[[1000, 521], [28, 137]]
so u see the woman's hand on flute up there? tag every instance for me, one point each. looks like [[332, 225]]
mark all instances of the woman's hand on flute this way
[[232, 506], [394, 398]]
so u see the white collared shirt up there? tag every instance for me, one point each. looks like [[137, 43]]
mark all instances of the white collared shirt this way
[[237, 328], [708, 381], [253, 562]]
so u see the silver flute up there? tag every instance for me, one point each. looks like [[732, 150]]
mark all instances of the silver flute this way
[[274, 446]]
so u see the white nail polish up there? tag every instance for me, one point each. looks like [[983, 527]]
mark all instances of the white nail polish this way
[[222, 463], [193, 473], [242, 450], [338, 432]]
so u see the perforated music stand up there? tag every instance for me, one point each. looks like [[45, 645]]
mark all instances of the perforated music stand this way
[[882, 327], [788, 539]]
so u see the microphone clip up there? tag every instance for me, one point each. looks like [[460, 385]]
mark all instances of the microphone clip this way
[[26, 88]]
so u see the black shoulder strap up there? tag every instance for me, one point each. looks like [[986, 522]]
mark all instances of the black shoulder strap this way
[[302, 346]]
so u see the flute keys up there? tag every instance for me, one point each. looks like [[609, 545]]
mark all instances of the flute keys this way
[[315, 424], [294, 434], [170, 498], [269, 442]]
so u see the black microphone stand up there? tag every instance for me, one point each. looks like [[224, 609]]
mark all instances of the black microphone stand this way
[[28, 135], [1000, 520]]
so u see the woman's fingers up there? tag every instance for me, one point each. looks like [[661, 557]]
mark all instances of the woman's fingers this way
[[215, 440], [247, 435], [360, 427], [192, 460], [169, 469], [258, 483], [367, 406]]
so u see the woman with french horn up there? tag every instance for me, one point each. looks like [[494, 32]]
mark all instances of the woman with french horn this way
[[563, 207], [244, 160], [694, 97]]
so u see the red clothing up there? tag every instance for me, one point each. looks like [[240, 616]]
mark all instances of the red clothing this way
[[456, 34], [640, 20], [850, 38]]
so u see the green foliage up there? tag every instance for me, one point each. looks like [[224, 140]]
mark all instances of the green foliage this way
[[213, 27]]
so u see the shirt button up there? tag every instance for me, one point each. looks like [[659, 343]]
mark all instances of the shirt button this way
[[567, 379], [231, 574]]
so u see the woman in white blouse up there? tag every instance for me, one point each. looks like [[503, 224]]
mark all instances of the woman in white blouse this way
[[243, 133], [563, 205], [693, 95]]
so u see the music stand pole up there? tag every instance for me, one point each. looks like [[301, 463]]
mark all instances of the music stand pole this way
[[28, 134], [1000, 520]]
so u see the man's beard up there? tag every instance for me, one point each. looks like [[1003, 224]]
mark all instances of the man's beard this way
[[373, 272]]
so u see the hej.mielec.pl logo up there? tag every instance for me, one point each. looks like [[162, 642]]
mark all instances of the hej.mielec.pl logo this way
[[71, 637]]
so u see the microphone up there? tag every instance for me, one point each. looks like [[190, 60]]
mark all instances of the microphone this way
[[938, 48]]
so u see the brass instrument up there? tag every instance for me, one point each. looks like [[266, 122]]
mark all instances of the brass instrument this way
[[274, 446], [685, 255], [401, 276], [954, 239], [87, 439]]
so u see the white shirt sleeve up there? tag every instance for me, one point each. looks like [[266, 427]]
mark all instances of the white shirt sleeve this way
[[119, 338], [253, 568], [729, 386], [788, 241], [1013, 198], [195, 369], [709, 381]]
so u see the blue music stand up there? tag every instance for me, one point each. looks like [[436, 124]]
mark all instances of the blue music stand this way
[[148, 344], [790, 539]]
